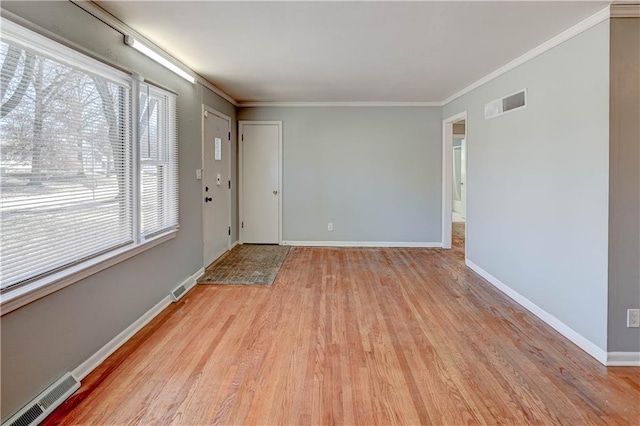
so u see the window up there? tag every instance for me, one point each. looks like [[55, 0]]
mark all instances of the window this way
[[158, 160], [68, 167]]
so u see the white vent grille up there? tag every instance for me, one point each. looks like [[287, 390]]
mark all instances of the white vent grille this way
[[40, 407], [509, 103], [178, 292], [29, 417]]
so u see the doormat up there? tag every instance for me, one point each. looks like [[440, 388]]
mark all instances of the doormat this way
[[247, 264]]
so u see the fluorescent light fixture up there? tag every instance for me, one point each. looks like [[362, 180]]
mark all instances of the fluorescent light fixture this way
[[145, 50]]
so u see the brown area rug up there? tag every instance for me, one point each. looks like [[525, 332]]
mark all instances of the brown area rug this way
[[247, 265]]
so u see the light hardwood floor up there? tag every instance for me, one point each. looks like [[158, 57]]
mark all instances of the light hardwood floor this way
[[354, 336]]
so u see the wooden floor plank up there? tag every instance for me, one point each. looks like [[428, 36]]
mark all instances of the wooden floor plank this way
[[354, 336]]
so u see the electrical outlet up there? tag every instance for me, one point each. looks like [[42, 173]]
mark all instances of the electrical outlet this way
[[633, 317], [330, 226]]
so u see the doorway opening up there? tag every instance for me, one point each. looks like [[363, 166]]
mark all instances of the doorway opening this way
[[459, 201], [454, 177]]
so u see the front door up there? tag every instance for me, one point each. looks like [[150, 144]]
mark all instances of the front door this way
[[216, 193]]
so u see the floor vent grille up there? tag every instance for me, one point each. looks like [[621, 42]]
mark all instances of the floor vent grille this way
[[39, 408], [178, 292], [50, 399], [28, 417]]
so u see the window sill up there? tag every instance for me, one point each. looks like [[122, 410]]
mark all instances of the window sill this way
[[21, 296]]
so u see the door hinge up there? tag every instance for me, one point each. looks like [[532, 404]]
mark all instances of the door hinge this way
[[243, 224], [229, 135], [243, 136], [229, 184], [206, 114], [229, 230]]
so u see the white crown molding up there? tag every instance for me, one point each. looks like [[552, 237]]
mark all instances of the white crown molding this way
[[339, 104], [625, 10], [361, 244], [95, 10], [580, 27], [562, 328], [616, 10]]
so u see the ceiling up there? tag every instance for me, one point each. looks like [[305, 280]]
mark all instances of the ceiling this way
[[347, 51]]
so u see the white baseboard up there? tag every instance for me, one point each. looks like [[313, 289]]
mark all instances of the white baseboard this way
[[190, 282], [623, 359], [360, 244], [234, 244], [103, 353], [578, 339]]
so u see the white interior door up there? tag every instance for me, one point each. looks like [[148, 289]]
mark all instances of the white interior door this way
[[260, 192], [216, 193]]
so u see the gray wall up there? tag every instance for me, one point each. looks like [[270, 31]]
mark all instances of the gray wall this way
[[55, 334], [537, 207], [374, 172], [538, 197], [624, 176]]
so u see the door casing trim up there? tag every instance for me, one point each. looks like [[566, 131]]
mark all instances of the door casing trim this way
[[447, 176]]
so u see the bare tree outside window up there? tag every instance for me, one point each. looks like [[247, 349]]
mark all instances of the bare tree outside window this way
[[65, 162], [67, 169]]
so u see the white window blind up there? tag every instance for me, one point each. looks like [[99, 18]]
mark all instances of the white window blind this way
[[69, 166], [158, 152], [65, 157]]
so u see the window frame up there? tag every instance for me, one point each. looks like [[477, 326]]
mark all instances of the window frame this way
[[166, 115], [21, 294]]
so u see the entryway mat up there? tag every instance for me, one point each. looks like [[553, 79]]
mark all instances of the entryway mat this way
[[247, 264]]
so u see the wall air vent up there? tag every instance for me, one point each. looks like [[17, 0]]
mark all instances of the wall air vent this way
[[507, 104], [178, 292], [39, 408]]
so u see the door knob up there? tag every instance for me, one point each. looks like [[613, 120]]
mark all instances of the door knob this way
[[275, 192], [207, 199]]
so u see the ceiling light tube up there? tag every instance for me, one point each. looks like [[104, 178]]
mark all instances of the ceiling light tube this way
[[145, 50]]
